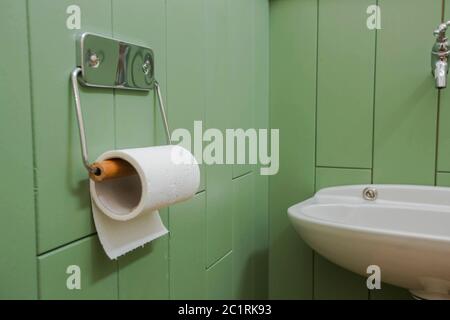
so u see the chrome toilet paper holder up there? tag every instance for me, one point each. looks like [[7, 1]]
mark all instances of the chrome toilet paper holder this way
[[104, 62]]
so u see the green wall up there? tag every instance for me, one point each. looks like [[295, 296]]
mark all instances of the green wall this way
[[18, 271], [212, 62], [354, 106]]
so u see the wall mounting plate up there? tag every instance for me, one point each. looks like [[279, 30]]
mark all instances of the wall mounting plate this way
[[111, 63]]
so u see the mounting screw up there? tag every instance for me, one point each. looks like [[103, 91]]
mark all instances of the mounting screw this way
[[370, 194], [147, 67], [94, 60]]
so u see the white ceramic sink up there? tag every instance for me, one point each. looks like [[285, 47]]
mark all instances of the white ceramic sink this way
[[405, 231]]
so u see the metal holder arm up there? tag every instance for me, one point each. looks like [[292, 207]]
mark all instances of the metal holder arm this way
[[162, 109], [80, 121], [109, 63]]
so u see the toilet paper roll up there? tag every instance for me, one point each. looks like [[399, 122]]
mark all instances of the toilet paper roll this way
[[125, 209]]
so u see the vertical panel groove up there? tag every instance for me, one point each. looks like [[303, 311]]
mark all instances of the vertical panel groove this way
[[33, 144], [167, 111], [315, 136], [438, 113], [374, 101], [443, 11], [115, 139], [436, 154]]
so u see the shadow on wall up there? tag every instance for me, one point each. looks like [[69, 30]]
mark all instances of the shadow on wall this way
[[251, 283]]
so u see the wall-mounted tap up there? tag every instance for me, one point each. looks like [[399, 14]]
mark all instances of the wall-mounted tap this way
[[440, 56]]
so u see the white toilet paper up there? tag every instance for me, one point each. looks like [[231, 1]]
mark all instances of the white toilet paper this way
[[125, 209]]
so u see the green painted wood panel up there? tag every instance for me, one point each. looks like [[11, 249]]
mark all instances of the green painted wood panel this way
[[332, 282], [261, 118], [345, 108], [119, 119], [187, 248], [240, 87], [406, 100], [261, 237], [143, 273], [443, 179], [137, 113], [389, 292], [405, 103], [98, 273], [63, 205], [218, 115], [329, 177], [185, 66], [443, 160], [218, 276], [293, 34], [18, 258], [243, 237], [218, 214]]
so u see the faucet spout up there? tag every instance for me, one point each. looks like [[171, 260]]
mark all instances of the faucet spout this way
[[440, 74], [440, 55]]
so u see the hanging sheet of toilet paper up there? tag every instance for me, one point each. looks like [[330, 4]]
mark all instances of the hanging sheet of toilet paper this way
[[125, 209]]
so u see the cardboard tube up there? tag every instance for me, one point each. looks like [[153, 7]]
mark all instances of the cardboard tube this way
[[110, 169]]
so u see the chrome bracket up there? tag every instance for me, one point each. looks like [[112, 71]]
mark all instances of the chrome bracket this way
[[109, 63]]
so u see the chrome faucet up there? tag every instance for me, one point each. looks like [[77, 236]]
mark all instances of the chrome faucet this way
[[440, 56]]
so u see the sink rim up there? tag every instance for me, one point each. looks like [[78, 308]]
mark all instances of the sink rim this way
[[295, 211], [374, 231]]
